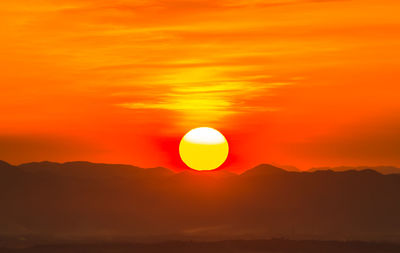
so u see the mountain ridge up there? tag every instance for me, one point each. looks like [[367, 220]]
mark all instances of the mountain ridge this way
[[86, 199], [381, 169], [260, 169]]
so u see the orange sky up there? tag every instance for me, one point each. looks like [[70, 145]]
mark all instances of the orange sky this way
[[291, 82]]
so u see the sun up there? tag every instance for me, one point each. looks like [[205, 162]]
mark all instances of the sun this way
[[203, 148]]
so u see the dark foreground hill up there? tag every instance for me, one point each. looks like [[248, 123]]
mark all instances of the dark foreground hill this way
[[272, 246], [85, 200]]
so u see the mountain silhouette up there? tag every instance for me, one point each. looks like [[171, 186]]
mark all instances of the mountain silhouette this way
[[264, 170], [381, 169], [82, 199]]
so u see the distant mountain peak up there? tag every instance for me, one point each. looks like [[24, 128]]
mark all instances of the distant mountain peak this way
[[43, 165], [264, 169], [380, 169], [4, 164], [159, 170]]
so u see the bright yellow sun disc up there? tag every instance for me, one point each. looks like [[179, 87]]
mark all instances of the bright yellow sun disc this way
[[203, 148]]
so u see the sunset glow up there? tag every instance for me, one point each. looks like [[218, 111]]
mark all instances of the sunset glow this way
[[288, 82]]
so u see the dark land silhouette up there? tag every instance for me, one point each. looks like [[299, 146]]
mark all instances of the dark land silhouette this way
[[237, 246], [46, 203], [381, 169]]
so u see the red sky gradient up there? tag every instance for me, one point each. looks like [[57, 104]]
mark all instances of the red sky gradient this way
[[290, 82]]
